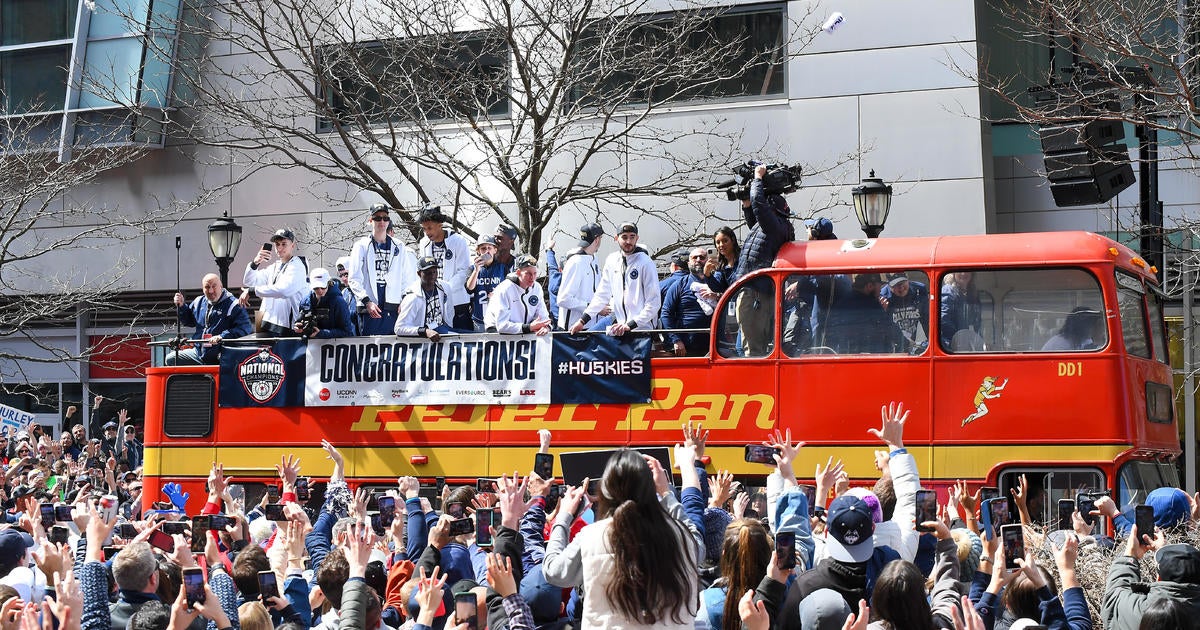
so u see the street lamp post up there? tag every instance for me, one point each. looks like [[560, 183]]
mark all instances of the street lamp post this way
[[872, 201], [224, 238]]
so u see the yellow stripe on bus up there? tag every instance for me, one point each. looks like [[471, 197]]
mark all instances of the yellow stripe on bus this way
[[943, 462]]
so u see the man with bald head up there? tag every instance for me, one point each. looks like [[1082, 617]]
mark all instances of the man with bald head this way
[[216, 315]]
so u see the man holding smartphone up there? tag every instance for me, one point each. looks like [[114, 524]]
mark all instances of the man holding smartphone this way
[[281, 284]]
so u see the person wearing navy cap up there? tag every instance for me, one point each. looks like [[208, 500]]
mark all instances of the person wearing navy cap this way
[[14, 564], [452, 252], [281, 284], [580, 275], [628, 288]]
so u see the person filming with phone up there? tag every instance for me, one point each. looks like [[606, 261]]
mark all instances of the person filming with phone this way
[[281, 284]]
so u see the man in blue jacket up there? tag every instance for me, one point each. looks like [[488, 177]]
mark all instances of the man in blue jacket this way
[[216, 315], [323, 314]]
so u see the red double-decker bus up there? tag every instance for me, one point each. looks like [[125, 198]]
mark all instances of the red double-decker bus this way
[[1042, 354]]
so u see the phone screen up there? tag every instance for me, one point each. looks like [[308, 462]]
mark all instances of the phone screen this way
[[219, 522], [1014, 545], [543, 465], [1143, 518], [387, 511], [485, 485], [759, 454], [1066, 508], [267, 585], [988, 492], [455, 510], [47, 512], [466, 610], [302, 493], [59, 534], [200, 532], [266, 247], [460, 526], [926, 508], [62, 513], [785, 550], [274, 512], [193, 585], [376, 523], [483, 523], [126, 530], [1085, 503], [272, 493], [162, 540], [593, 488], [174, 527], [810, 493], [999, 512]]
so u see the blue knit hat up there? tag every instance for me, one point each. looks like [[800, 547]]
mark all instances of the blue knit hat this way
[[715, 522]]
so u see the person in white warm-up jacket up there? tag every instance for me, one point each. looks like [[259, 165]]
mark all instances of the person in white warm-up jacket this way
[[518, 305], [425, 309], [281, 284], [580, 275], [381, 270], [628, 285]]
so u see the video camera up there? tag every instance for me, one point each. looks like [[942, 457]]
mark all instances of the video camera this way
[[307, 323], [780, 179]]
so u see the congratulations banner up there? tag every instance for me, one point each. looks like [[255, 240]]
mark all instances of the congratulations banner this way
[[458, 370]]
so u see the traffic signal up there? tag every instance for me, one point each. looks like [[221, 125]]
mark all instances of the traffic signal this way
[[1086, 161]]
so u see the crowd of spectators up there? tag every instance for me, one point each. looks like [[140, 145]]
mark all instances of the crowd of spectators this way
[[630, 550]]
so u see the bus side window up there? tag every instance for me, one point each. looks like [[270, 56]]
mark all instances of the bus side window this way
[[1047, 486], [747, 327], [864, 313]]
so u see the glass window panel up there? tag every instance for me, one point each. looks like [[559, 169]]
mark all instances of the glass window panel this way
[[747, 327], [164, 15], [34, 80], [865, 313], [458, 76], [1031, 310], [1158, 330], [156, 73], [1047, 487], [111, 72], [31, 398], [103, 127], [40, 133], [29, 21], [751, 62], [1133, 320], [113, 18]]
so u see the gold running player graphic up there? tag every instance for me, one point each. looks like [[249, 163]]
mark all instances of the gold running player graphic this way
[[989, 389]]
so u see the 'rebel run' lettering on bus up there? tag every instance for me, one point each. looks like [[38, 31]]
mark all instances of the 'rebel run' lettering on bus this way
[[420, 361], [669, 405]]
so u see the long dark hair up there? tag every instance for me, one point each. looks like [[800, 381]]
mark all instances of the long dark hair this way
[[744, 558], [737, 248], [899, 597], [1166, 614], [650, 578]]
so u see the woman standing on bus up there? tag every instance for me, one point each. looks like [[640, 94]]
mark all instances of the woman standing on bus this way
[[719, 269], [638, 561]]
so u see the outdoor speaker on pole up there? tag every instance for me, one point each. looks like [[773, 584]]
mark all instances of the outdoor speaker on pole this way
[[1086, 161]]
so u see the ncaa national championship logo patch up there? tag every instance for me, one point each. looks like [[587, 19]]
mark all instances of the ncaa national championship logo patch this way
[[262, 374]]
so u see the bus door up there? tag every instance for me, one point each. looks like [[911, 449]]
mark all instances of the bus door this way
[[849, 343], [1025, 368]]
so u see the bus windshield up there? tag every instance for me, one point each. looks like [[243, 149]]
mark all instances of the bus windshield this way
[[1025, 310]]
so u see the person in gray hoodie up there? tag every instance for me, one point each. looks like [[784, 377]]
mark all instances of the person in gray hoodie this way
[[1126, 597]]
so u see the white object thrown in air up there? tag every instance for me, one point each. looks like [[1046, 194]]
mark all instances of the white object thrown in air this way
[[832, 22]]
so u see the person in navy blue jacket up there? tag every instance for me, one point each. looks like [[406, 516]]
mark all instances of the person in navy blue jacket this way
[[216, 315], [330, 313], [689, 303]]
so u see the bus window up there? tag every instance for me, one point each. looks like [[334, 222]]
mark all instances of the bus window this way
[[1021, 310], [1047, 486], [1137, 479], [1158, 330], [867, 313], [1133, 316], [747, 327]]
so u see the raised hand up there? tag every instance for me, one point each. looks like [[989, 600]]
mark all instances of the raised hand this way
[[892, 432]]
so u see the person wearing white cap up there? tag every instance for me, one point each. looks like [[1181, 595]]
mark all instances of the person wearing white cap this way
[[323, 313]]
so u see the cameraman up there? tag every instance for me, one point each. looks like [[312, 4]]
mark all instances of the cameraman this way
[[770, 228], [323, 313]]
